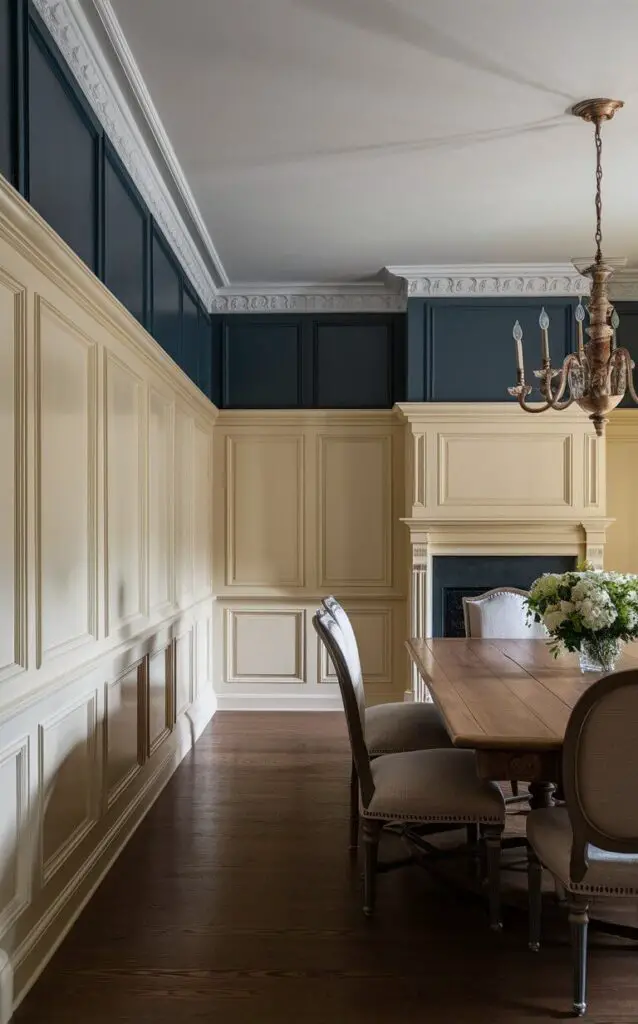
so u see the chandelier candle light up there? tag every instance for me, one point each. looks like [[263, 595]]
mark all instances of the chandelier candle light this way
[[599, 373]]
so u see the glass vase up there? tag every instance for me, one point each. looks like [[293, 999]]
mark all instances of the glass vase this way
[[599, 655]]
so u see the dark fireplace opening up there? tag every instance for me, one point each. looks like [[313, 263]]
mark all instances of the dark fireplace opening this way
[[457, 576]]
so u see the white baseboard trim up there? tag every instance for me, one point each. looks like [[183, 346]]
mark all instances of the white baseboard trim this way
[[6, 988], [42, 941], [279, 702]]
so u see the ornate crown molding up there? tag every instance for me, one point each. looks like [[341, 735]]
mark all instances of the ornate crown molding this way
[[70, 29], [308, 298], [624, 285], [491, 279]]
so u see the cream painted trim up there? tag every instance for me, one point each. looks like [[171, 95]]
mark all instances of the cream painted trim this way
[[29, 234], [6, 988], [73, 34], [279, 702], [491, 412]]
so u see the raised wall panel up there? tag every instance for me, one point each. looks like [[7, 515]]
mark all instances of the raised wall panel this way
[[355, 496], [373, 628], [123, 755], [125, 494], [125, 235], [265, 510], [160, 500], [204, 654], [69, 775], [7, 106], [167, 299], [185, 469], [621, 550], [15, 848], [63, 153], [265, 646], [13, 582], [184, 656], [159, 698], [262, 363], [353, 365], [189, 356], [203, 513], [494, 470], [66, 468]]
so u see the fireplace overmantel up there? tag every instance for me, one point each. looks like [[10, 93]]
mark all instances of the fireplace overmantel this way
[[487, 479]]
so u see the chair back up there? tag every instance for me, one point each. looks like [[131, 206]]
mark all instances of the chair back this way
[[339, 613], [351, 686], [500, 614], [600, 769]]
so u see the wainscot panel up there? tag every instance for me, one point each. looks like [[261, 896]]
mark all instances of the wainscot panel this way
[[461, 350], [621, 552], [311, 506], [126, 227], [106, 679]]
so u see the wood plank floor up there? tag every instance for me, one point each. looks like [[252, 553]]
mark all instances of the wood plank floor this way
[[236, 902]]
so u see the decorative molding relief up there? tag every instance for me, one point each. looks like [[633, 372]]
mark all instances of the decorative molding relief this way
[[375, 297], [70, 29], [491, 279], [624, 285]]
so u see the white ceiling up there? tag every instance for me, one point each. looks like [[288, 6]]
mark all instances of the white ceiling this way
[[326, 139]]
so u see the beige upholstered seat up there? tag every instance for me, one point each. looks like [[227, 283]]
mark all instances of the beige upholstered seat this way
[[500, 614], [591, 844], [455, 792], [389, 728], [608, 874], [421, 785], [397, 727]]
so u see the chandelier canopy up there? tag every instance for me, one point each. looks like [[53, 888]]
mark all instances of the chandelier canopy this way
[[599, 373]]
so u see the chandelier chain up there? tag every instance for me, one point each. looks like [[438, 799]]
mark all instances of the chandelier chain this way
[[599, 203]]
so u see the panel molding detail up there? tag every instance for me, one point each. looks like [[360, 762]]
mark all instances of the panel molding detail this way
[[13, 517], [18, 837], [50, 397], [374, 628], [265, 645], [90, 794], [241, 523], [354, 541]]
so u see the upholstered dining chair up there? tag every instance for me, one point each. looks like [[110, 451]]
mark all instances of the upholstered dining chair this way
[[389, 728], [418, 785], [501, 614], [590, 845]]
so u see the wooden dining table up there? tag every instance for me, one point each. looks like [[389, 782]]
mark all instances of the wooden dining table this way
[[510, 701]]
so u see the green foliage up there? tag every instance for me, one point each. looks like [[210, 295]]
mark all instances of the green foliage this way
[[586, 606]]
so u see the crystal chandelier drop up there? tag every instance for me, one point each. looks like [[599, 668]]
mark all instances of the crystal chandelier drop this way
[[599, 373]]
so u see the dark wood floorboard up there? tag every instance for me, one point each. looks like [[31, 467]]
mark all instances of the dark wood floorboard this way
[[236, 902]]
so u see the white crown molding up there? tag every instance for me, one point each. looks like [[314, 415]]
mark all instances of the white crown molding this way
[[624, 285], [373, 297], [491, 279], [125, 56], [72, 32]]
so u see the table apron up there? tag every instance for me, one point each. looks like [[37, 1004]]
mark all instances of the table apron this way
[[519, 765]]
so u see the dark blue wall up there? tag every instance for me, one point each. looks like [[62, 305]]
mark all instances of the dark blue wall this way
[[53, 149], [458, 576], [325, 361]]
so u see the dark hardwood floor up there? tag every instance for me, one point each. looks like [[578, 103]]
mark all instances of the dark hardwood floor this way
[[236, 902]]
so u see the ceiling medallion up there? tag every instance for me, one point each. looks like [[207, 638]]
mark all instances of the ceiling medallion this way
[[598, 373]]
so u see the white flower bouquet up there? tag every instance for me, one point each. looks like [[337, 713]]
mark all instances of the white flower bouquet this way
[[592, 612]]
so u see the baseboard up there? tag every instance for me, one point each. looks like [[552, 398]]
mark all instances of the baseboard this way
[[279, 702], [40, 944]]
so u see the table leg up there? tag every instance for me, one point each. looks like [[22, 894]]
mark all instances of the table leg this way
[[541, 795]]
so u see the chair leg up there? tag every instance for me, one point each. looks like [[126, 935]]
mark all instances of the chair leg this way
[[535, 895], [371, 833], [354, 807], [578, 922], [492, 835]]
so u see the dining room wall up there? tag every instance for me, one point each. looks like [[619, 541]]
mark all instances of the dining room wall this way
[[106, 673]]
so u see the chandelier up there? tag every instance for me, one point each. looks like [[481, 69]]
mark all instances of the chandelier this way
[[599, 373]]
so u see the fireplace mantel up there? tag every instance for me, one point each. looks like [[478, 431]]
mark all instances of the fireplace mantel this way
[[488, 479]]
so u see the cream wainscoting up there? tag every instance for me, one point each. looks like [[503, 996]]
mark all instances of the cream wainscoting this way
[[307, 504], [622, 490], [107, 602]]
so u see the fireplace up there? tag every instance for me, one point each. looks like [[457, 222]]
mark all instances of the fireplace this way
[[456, 577]]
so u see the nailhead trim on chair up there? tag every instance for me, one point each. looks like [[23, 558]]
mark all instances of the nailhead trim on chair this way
[[602, 890], [461, 818]]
